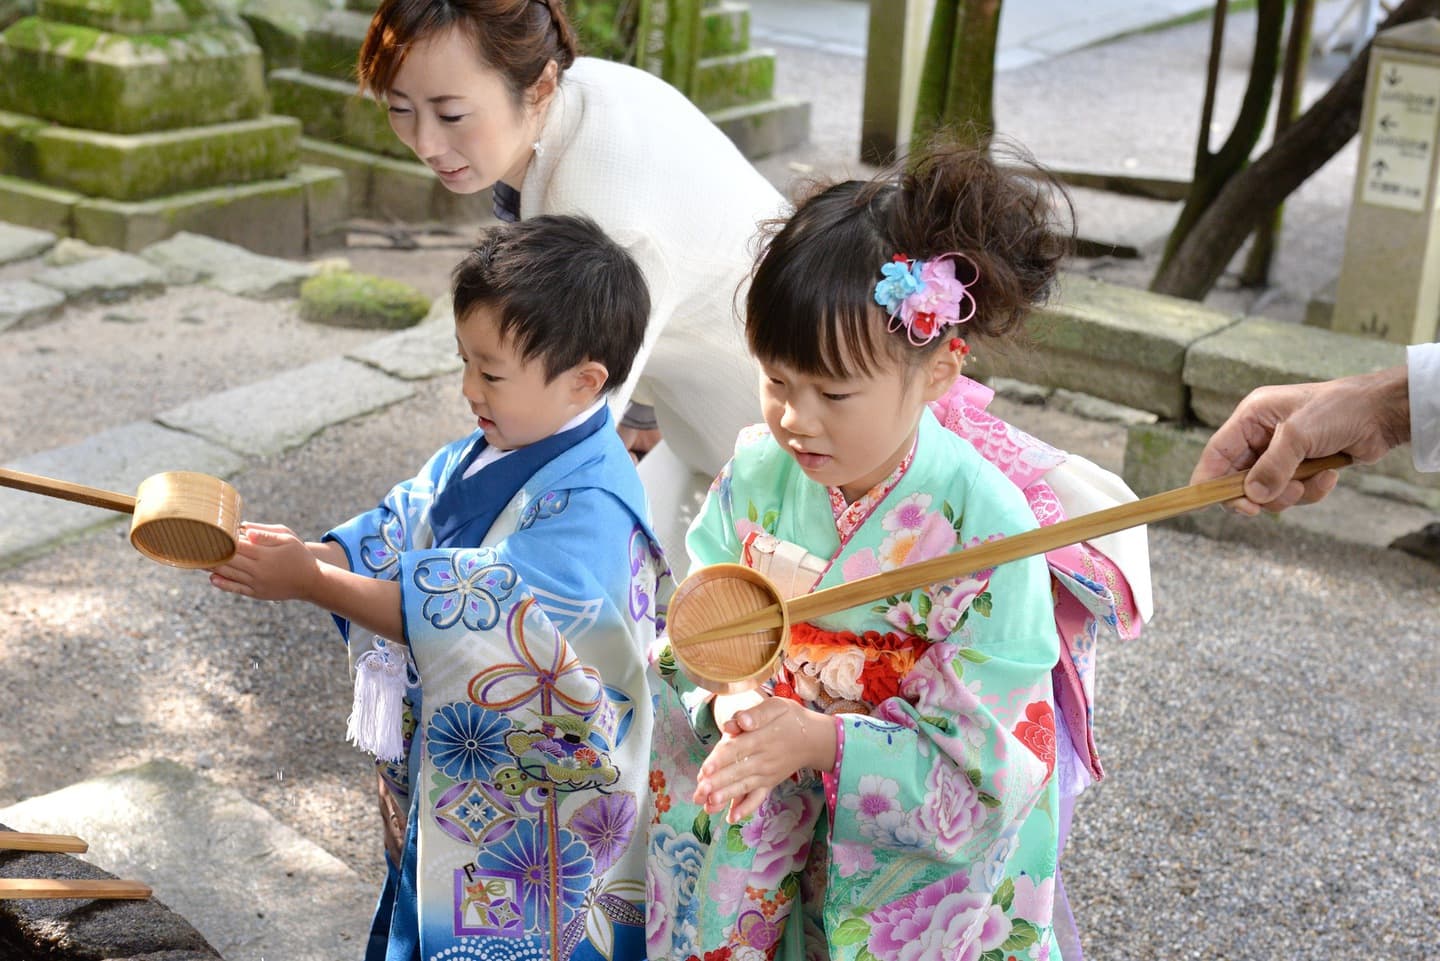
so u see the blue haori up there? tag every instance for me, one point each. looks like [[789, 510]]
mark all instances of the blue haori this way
[[531, 591]]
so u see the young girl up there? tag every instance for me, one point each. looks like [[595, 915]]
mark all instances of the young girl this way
[[893, 796], [518, 581]]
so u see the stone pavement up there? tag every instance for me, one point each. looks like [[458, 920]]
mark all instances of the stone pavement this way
[[1214, 792]]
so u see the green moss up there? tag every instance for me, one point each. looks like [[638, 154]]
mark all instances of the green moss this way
[[348, 299], [733, 80]]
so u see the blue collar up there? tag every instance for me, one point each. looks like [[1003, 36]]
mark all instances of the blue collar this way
[[466, 507]]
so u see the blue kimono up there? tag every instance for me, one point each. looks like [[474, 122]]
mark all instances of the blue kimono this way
[[530, 591]]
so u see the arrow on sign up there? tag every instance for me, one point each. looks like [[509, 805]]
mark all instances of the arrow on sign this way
[[1393, 77], [1380, 166], [1388, 123]]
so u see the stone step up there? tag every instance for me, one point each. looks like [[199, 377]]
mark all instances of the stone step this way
[[254, 888], [147, 165], [770, 126], [724, 29], [333, 43], [331, 111], [391, 189], [734, 79]]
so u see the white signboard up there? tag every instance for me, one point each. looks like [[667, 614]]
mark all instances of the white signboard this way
[[1402, 135]]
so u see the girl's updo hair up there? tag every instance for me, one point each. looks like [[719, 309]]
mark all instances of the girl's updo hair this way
[[516, 37], [811, 303]]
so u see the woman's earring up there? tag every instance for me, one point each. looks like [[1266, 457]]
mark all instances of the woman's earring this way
[[539, 148]]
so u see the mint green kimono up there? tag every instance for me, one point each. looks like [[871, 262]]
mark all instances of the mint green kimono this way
[[934, 838]]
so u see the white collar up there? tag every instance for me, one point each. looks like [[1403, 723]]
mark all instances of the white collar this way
[[491, 454]]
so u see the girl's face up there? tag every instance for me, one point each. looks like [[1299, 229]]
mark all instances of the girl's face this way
[[457, 114], [851, 433], [512, 400]]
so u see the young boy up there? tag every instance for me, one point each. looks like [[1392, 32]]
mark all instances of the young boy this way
[[513, 586]]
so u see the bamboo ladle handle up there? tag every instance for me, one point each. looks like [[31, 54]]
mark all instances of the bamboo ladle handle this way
[[957, 564], [79, 493]]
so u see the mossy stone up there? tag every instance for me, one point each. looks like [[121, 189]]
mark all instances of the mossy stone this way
[[349, 299], [734, 79], [96, 80], [332, 44], [141, 166], [17, 144], [333, 111], [131, 16]]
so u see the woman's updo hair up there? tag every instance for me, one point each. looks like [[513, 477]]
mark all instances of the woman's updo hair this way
[[811, 303], [516, 37]]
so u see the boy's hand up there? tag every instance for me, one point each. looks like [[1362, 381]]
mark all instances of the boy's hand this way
[[763, 745], [271, 563]]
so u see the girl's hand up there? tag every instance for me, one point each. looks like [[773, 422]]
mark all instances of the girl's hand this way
[[762, 746], [271, 563]]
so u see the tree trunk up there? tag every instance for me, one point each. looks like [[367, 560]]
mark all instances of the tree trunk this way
[[1252, 194], [957, 83], [1213, 170]]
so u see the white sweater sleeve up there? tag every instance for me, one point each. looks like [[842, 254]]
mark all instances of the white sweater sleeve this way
[[1423, 361]]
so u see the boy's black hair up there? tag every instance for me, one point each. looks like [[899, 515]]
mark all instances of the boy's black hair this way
[[564, 292]]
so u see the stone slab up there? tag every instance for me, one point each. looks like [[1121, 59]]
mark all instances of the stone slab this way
[[17, 151], [354, 165], [332, 45], [35, 205], [1160, 457], [145, 165], [112, 929], [335, 112], [21, 300], [284, 411], [733, 79], [1123, 345], [164, 16], [195, 258], [22, 243], [767, 127], [410, 192], [267, 217], [254, 888], [108, 279], [327, 205], [117, 459], [425, 350]]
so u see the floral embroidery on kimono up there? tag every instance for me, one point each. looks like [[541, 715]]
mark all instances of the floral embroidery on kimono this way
[[528, 744], [938, 836]]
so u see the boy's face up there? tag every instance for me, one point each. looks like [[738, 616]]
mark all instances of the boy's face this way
[[511, 400]]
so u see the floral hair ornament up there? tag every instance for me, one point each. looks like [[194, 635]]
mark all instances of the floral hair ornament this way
[[925, 296]]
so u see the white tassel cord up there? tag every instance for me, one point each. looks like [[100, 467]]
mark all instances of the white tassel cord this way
[[377, 714]]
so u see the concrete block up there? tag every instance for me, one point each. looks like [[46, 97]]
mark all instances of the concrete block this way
[[117, 459], [327, 206], [108, 279], [734, 79], [1222, 369], [251, 886], [35, 205], [767, 127], [354, 165], [190, 258], [267, 217], [17, 149], [146, 165], [22, 243], [117, 16], [1320, 308], [333, 111], [82, 77], [410, 191], [21, 301], [284, 411], [332, 45], [1124, 345], [724, 29]]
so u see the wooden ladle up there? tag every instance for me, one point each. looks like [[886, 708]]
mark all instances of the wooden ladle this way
[[179, 518], [728, 625], [33, 888]]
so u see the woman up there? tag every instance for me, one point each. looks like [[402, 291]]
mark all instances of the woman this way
[[491, 94]]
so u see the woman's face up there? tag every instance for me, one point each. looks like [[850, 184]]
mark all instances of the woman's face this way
[[457, 114]]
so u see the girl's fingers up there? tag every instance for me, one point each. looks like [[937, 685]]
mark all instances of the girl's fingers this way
[[746, 806]]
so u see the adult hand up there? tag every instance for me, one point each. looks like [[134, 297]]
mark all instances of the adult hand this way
[[1275, 428], [392, 819], [271, 563], [639, 442], [762, 746]]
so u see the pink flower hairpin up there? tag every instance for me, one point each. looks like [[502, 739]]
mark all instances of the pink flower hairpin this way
[[925, 296]]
